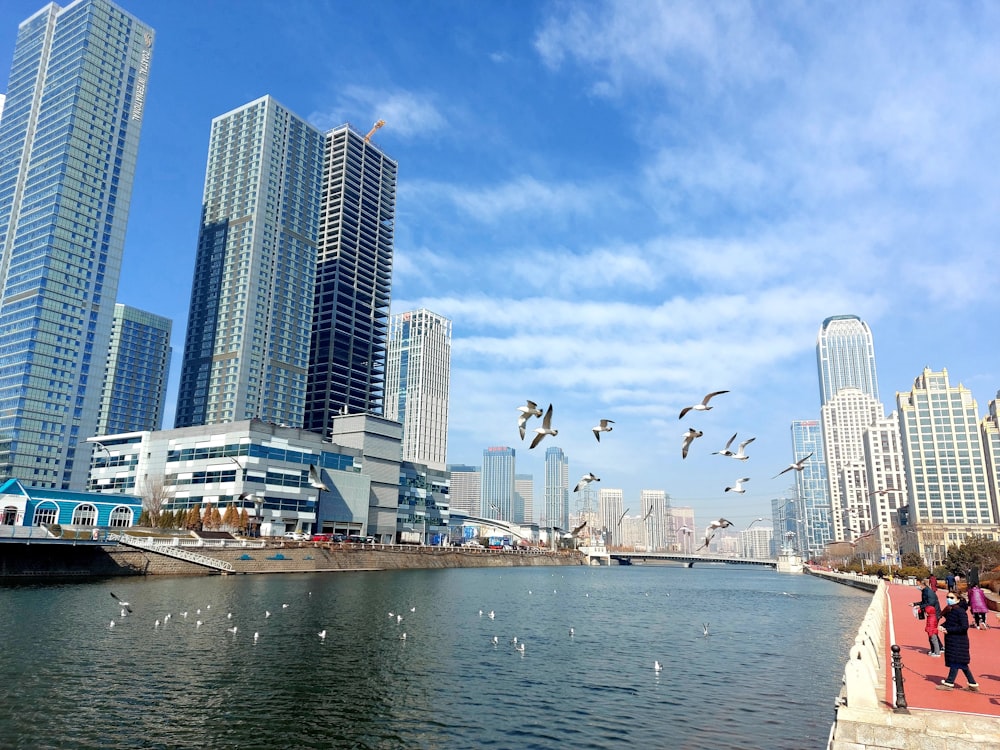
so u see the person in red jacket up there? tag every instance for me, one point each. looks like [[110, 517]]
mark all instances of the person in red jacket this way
[[931, 628]]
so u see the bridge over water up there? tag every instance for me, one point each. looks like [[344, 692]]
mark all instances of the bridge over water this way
[[655, 558]]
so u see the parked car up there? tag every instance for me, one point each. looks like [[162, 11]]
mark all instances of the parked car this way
[[473, 543], [298, 536], [356, 539], [321, 537], [338, 538]]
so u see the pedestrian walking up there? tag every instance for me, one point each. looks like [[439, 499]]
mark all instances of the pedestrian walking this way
[[931, 628], [950, 580], [955, 627], [977, 605]]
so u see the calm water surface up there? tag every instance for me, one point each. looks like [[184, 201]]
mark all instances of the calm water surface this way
[[766, 676]]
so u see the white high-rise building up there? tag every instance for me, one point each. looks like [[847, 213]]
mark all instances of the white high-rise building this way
[[947, 485], [417, 374], [755, 542], [524, 492], [466, 488], [246, 351], [655, 511], [556, 489], [610, 512], [886, 483]]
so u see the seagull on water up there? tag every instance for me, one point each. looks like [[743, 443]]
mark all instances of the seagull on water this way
[[526, 412], [520, 647], [602, 427], [495, 640], [491, 614], [156, 624], [198, 624], [796, 466], [545, 429], [738, 486], [124, 613], [284, 606], [402, 637], [703, 406], [267, 614], [689, 437], [184, 615], [232, 630], [657, 667], [112, 624], [710, 530], [255, 637], [739, 455], [585, 480], [704, 627], [229, 616], [322, 634], [399, 619], [571, 632]]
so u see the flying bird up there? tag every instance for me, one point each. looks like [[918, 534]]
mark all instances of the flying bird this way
[[703, 406], [648, 513], [602, 427], [738, 486], [545, 429], [121, 603], [738, 455], [710, 530], [797, 466], [526, 412], [689, 437], [585, 480], [578, 529], [316, 480], [704, 627]]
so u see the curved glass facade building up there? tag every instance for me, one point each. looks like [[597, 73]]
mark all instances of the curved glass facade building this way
[[845, 355]]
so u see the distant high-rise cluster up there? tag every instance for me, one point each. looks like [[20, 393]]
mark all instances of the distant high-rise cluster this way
[[918, 480]]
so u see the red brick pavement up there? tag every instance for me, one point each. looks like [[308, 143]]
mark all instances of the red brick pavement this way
[[922, 673]]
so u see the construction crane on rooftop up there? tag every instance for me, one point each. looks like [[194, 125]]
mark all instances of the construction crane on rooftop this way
[[375, 127]]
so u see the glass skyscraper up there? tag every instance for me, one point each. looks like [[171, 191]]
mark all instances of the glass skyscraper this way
[[69, 136], [812, 504], [246, 351], [418, 369], [135, 381], [497, 500], [353, 280], [845, 355], [556, 489]]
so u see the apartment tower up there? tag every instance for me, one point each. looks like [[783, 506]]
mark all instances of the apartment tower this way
[[246, 353], [353, 280], [135, 380], [69, 135], [556, 489], [418, 368]]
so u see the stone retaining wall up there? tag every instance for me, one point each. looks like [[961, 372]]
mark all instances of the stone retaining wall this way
[[21, 562]]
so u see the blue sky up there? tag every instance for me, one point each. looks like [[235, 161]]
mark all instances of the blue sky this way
[[623, 206]]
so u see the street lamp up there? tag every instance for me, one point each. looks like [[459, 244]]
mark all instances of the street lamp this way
[[752, 523]]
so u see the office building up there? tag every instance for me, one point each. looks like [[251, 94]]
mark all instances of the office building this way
[[135, 379], [246, 352], [498, 477], [990, 428], [812, 504], [886, 488], [556, 489], [611, 518], [69, 135], [756, 542], [466, 486], [418, 368], [353, 280], [947, 485], [845, 355], [655, 505], [524, 498]]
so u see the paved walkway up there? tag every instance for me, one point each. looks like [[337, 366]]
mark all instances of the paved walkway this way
[[922, 673]]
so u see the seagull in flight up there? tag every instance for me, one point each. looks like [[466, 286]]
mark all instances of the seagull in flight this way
[[315, 480], [797, 466], [689, 437], [738, 486], [703, 406], [585, 480], [121, 603], [710, 530], [526, 412], [739, 455], [602, 427], [545, 429], [704, 627], [578, 529]]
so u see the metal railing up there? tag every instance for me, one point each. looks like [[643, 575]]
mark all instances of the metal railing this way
[[180, 553]]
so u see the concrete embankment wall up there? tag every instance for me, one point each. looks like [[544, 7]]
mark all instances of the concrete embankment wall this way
[[26, 562]]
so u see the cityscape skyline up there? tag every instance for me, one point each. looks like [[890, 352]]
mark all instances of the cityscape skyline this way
[[492, 198]]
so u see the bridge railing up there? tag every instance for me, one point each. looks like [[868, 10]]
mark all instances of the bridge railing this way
[[180, 553]]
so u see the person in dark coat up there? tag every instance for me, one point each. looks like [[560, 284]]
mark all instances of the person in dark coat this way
[[955, 625], [950, 580], [928, 597]]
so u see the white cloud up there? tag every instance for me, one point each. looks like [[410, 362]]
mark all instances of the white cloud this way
[[408, 113]]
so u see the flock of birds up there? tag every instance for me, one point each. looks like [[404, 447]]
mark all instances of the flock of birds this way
[[530, 409]]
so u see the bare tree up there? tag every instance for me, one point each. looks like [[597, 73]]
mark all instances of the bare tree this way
[[153, 493]]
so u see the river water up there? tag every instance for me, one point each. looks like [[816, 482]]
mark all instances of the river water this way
[[765, 677]]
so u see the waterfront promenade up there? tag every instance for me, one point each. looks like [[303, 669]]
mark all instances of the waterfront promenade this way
[[923, 673], [872, 714]]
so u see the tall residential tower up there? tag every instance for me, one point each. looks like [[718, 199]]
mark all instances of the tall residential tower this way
[[69, 137], [353, 280], [418, 368], [246, 352]]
